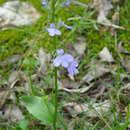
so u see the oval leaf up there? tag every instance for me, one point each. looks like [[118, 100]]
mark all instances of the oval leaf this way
[[40, 108]]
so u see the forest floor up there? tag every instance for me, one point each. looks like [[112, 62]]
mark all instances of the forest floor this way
[[98, 98]]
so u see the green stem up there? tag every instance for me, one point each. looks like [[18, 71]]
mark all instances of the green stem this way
[[31, 86], [56, 89], [53, 10], [56, 100], [55, 70]]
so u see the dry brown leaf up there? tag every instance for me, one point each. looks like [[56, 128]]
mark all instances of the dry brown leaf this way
[[98, 89], [12, 113], [91, 110], [121, 49], [127, 66], [80, 46], [115, 20], [12, 60], [69, 84], [125, 62], [95, 72], [115, 1], [13, 76], [44, 58], [4, 94], [105, 55], [16, 77], [103, 8]]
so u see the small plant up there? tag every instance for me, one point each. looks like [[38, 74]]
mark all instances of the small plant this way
[[41, 107]]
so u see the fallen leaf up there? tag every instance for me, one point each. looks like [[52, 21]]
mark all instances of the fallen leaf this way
[[115, 20], [106, 56], [44, 58], [91, 110], [80, 46], [127, 66], [98, 89], [95, 72], [12, 113], [17, 77], [121, 49], [12, 97], [12, 60], [4, 94], [69, 84], [103, 8], [116, 1], [13, 76]]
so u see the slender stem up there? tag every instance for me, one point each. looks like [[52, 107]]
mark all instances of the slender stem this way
[[56, 100], [31, 86], [53, 10], [56, 89], [55, 70]]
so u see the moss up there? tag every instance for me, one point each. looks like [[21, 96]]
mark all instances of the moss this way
[[124, 36], [22, 40]]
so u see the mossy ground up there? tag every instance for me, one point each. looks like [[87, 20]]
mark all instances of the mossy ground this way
[[27, 40]]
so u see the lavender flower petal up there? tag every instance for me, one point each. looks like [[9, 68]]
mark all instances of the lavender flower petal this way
[[67, 3], [64, 64], [57, 62], [52, 25], [67, 61], [60, 52], [44, 3], [72, 68], [68, 58], [57, 32], [53, 31]]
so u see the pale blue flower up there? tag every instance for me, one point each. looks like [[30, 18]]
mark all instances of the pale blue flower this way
[[60, 52], [53, 31], [72, 68], [67, 3], [67, 61], [44, 2], [63, 60]]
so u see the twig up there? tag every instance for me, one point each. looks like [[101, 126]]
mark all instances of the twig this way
[[112, 25], [101, 23], [79, 90]]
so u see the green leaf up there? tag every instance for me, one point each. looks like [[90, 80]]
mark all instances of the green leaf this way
[[40, 108], [23, 124]]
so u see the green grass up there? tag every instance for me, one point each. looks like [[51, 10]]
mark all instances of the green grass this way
[[27, 40], [2, 1]]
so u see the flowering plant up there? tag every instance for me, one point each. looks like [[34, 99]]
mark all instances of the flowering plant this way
[[40, 107]]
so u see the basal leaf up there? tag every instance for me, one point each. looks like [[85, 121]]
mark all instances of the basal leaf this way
[[40, 108]]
